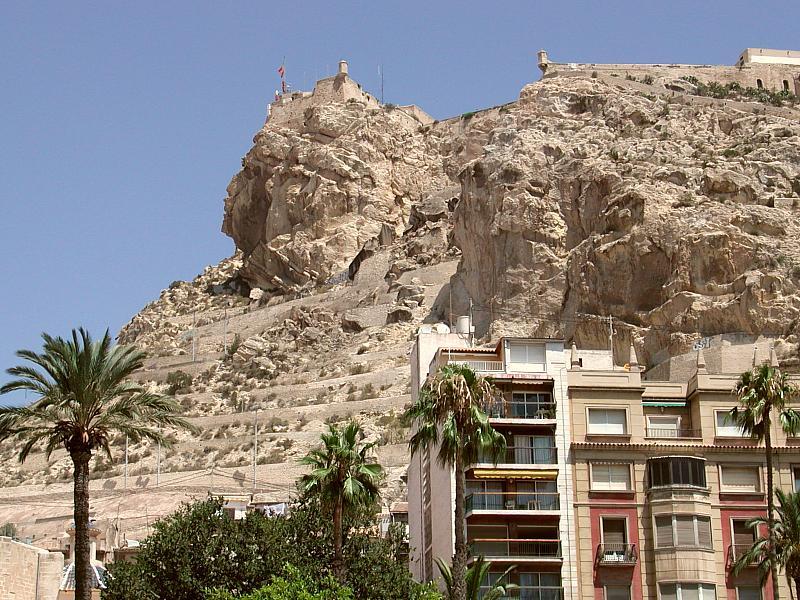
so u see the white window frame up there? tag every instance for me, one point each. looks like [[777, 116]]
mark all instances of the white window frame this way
[[527, 366], [727, 430], [624, 409], [726, 490], [795, 478], [614, 517], [592, 465]]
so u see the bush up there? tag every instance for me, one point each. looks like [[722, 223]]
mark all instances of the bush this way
[[294, 586], [8, 530], [179, 382]]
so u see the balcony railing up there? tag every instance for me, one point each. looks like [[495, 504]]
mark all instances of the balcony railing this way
[[525, 455], [616, 554], [736, 551], [512, 501], [516, 548], [666, 432], [480, 366], [529, 592], [523, 410]]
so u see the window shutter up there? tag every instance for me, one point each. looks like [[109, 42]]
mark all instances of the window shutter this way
[[605, 421], [740, 479], [742, 534], [704, 532], [684, 531], [709, 591], [748, 592], [664, 532], [600, 476], [690, 591], [619, 477], [614, 531], [618, 592]]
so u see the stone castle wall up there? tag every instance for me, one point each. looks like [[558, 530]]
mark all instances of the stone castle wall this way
[[289, 110], [27, 572], [772, 76]]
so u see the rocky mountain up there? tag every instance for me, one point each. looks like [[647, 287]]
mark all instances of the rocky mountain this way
[[585, 198]]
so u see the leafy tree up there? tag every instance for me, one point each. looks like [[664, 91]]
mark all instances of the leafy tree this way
[[342, 477], [449, 413], [786, 539], [477, 573], [84, 396], [200, 548], [762, 391], [293, 586]]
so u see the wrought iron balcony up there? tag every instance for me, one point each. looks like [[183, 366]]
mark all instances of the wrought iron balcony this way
[[512, 501], [616, 554], [525, 455], [529, 592], [523, 410], [516, 548], [672, 433], [736, 551]]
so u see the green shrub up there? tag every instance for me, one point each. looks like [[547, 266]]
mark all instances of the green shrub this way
[[179, 382]]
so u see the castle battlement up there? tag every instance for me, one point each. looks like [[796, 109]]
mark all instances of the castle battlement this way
[[762, 68]]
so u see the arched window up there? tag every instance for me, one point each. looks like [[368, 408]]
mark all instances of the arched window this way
[[760, 84]]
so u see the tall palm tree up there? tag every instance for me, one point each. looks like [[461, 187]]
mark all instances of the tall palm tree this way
[[84, 396], [449, 413], [475, 576], [343, 476], [761, 391], [786, 537]]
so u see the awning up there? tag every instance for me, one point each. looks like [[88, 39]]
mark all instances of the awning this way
[[514, 474]]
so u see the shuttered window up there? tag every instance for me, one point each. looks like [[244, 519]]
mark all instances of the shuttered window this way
[[618, 592], [740, 479], [688, 531], [614, 531], [607, 421], [726, 426], [611, 477], [748, 592]]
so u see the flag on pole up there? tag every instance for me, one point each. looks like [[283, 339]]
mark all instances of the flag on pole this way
[[281, 71]]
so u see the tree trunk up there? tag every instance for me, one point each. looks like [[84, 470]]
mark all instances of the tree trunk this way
[[83, 578], [770, 502], [797, 587], [460, 556], [338, 559]]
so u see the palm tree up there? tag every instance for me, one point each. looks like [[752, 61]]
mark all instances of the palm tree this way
[[343, 477], [475, 575], [786, 537], [449, 413], [761, 391], [84, 396]]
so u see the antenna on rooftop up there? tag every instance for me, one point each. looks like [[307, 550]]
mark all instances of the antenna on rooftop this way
[[380, 74]]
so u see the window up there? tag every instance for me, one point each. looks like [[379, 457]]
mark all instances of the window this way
[[759, 84], [687, 591], [532, 405], [530, 355], [726, 426], [611, 477], [796, 475], [614, 530], [743, 535], [541, 586], [663, 426], [683, 531], [740, 479], [618, 592], [607, 421], [748, 592], [676, 470], [785, 89]]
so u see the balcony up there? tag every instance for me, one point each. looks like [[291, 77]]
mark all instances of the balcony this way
[[480, 366], [525, 455], [736, 551], [671, 433], [616, 554], [523, 410], [542, 549], [529, 592], [512, 501]]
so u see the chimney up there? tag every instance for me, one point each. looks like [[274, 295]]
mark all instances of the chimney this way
[[574, 361], [342, 67], [701, 362], [633, 361]]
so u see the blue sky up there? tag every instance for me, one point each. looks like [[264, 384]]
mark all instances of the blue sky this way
[[121, 123]]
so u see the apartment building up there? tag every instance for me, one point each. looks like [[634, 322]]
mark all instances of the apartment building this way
[[665, 485], [613, 487], [518, 511]]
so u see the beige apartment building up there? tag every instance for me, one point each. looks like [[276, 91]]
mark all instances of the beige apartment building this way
[[614, 487]]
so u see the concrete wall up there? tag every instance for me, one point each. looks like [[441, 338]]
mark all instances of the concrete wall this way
[[27, 572]]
